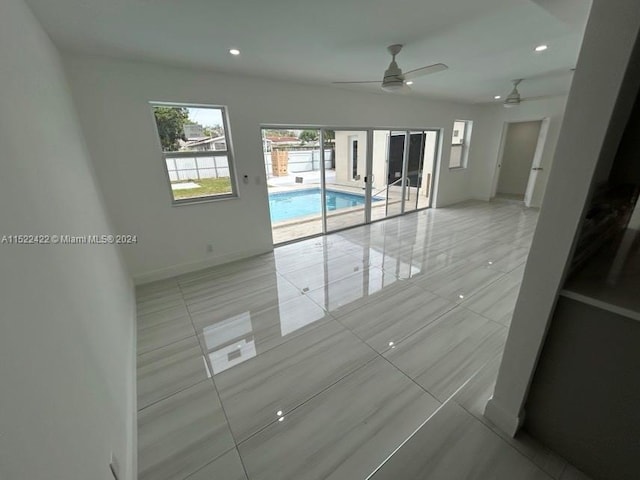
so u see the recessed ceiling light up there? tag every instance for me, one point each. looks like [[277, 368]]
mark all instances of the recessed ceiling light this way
[[410, 82], [234, 51], [541, 48], [497, 97]]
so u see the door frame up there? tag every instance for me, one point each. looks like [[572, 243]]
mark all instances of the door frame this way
[[435, 169], [535, 162]]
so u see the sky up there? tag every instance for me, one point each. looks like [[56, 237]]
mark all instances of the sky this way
[[207, 117]]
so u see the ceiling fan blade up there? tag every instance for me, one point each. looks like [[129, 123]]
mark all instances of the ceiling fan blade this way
[[420, 72], [539, 97], [366, 81]]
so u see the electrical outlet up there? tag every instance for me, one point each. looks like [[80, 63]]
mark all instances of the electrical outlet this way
[[210, 248], [114, 466]]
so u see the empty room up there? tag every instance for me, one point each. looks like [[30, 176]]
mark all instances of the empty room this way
[[353, 240]]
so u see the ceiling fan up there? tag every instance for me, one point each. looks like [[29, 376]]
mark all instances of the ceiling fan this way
[[514, 97], [394, 80]]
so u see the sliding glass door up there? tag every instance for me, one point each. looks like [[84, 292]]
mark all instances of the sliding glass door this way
[[326, 179], [420, 162], [345, 177], [404, 161]]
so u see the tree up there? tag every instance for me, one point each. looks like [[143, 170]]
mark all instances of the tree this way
[[308, 136], [171, 121], [214, 131], [329, 136]]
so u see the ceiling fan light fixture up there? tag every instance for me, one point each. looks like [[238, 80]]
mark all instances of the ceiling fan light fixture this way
[[511, 101], [393, 86]]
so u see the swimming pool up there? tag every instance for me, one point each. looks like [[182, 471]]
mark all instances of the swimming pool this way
[[299, 203]]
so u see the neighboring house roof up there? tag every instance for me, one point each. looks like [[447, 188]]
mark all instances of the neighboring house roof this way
[[203, 141]]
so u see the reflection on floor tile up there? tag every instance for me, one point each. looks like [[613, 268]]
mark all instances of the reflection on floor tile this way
[[345, 432], [182, 433], [160, 302], [473, 398], [286, 376], [462, 282], [442, 356], [391, 316], [168, 370], [497, 300], [255, 294], [228, 341], [342, 295], [315, 276], [227, 467], [174, 314], [321, 358], [164, 334], [453, 445]]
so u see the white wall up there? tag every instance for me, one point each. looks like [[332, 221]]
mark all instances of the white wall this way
[[519, 148], [112, 98], [67, 328], [597, 110], [344, 173], [379, 161], [484, 174]]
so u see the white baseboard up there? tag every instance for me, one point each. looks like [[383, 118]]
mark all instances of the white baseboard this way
[[180, 269], [501, 418]]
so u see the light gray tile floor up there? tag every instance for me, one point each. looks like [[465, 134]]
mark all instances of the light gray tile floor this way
[[321, 359]]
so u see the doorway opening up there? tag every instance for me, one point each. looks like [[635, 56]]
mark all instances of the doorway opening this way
[[520, 160]]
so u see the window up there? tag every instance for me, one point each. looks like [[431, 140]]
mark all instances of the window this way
[[195, 146], [460, 143], [354, 157]]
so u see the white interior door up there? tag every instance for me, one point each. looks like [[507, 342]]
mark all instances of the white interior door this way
[[536, 165]]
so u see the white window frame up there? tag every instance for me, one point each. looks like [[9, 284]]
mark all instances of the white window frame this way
[[228, 153], [465, 143]]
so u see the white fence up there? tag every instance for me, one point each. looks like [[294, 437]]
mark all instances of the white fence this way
[[301, 160], [195, 168]]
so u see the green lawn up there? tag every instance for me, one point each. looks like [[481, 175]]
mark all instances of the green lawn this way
[[208, 186]]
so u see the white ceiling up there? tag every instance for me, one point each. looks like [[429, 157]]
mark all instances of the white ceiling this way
[[486, 43]]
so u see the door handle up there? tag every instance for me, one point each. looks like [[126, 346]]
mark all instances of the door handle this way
[[536, 168]]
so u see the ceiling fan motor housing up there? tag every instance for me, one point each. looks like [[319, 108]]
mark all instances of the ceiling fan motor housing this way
[[513, 98], [393, 78]]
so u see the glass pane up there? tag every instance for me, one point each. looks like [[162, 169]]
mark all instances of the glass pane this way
[[345, 172], [190, 129], [395, 181], [190, 180], [206, 162], [292, 163], [414, 170]]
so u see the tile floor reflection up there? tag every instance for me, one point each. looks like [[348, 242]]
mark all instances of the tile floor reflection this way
[[320, 359]]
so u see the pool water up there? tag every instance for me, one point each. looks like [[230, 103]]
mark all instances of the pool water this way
[[299, 203]]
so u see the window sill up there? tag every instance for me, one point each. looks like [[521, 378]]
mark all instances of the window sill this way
[[196, 201]]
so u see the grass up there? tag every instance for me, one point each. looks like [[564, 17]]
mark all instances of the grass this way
[[208, 186]]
